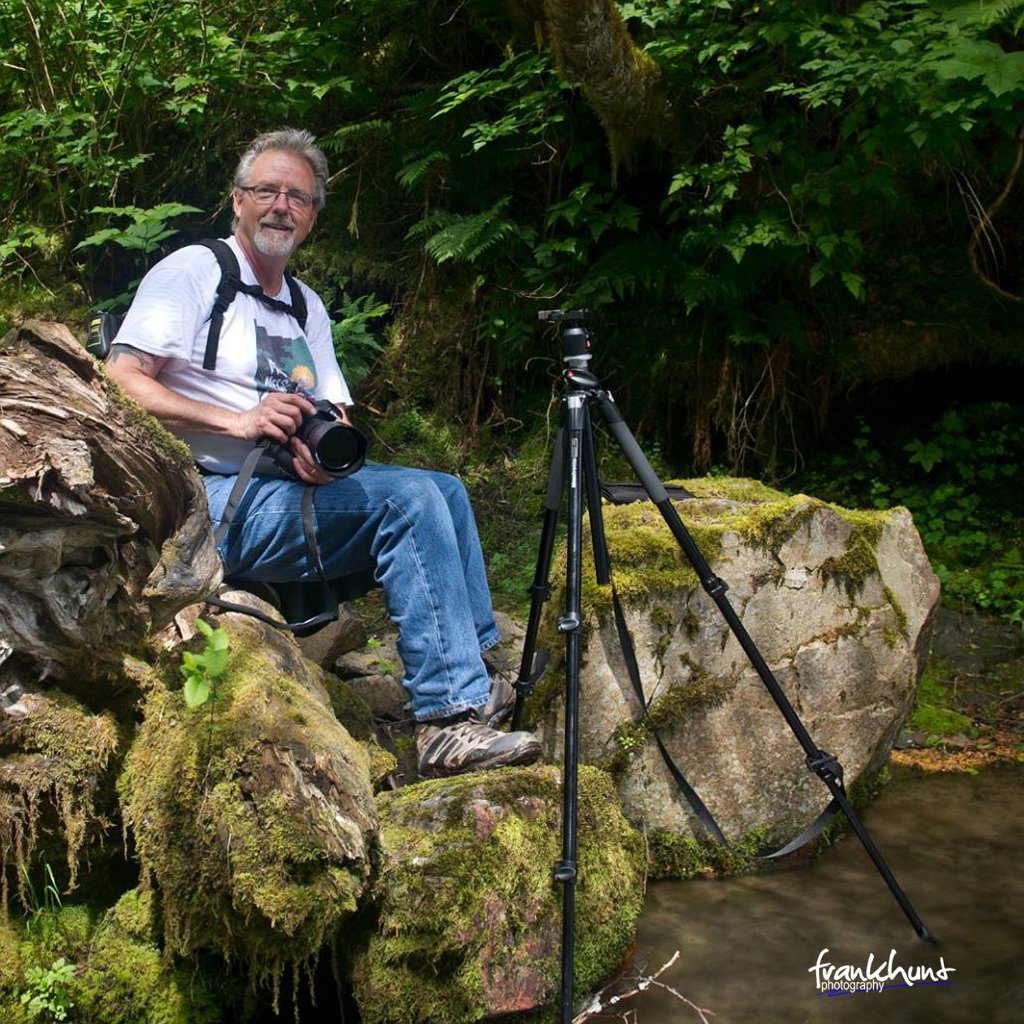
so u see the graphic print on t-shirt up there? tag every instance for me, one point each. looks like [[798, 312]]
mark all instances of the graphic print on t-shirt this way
[[283, 364]]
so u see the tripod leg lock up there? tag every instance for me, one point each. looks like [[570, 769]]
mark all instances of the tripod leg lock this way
[[715, 586], [540, 592], [568, 623], [527, 684], [565, 871], [826, 766]]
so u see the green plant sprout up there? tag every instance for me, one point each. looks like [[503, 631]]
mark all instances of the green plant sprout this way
[[201, 671], [49, 903]]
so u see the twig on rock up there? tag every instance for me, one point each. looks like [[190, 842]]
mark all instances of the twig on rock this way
[[598, 1004]]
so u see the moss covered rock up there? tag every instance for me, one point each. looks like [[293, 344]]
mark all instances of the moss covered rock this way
[[54, 756], [469, 916], [115, 977], [837, 601], [253, 816]]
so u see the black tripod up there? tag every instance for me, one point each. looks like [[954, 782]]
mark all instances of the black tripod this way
[[574, 471]]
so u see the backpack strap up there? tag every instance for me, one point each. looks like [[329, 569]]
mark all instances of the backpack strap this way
[[230, 285], [298, 310], [227, 288]]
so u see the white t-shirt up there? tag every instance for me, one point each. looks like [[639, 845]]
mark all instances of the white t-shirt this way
[[260, 349]]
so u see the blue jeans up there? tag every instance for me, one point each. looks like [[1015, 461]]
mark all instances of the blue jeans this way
[[415, 529]]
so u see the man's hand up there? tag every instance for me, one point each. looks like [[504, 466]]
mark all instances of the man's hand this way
[[278, 417], [304, 466]]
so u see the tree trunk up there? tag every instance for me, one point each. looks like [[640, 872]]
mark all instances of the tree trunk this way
[[104, 530], [593, 48]]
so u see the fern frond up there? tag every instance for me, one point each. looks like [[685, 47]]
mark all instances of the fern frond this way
[[467, 237], [416, 170]]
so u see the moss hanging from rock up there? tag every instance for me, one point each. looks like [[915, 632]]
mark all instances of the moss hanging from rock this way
[[53, 755]]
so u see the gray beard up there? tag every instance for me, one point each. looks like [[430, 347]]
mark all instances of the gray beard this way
[[270, 243]]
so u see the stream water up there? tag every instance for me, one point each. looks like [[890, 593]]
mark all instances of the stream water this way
[[748, 946]]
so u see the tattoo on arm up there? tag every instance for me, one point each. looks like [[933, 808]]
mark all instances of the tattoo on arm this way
[[121, 351]]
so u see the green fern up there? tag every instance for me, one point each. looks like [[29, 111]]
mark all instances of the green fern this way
[[467, 237]]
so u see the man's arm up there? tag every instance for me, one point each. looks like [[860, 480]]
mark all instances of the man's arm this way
[[277, 416]]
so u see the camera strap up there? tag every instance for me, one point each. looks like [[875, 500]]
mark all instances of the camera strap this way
[[703, 815], [249, 468]]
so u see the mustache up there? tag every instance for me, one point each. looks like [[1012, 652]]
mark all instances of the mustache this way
[[277, 222]]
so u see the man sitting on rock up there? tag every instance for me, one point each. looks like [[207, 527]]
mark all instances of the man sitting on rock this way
[[414, 529]]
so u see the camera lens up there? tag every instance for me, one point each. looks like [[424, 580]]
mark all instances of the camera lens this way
[[338, 448]]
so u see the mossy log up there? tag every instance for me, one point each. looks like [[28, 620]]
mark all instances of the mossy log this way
[[254, 820], [104, 531]]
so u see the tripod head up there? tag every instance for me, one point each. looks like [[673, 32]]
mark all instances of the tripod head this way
[[575, 336]]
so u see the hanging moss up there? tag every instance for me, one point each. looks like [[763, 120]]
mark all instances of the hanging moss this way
[[630, 738], [49, 782], [898, 611], [858, 562]]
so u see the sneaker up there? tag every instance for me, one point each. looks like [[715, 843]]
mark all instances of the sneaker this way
[[451, 746], [502, 701]]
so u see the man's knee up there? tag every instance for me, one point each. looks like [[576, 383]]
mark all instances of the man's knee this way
[[452, 488]]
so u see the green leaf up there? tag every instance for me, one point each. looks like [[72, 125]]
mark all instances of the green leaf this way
[[197, 691], [216, 662], [854, 283]]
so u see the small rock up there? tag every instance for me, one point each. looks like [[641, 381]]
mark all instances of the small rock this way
[[335, 639]]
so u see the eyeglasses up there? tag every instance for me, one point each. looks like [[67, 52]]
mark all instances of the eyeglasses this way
[[264, 195]]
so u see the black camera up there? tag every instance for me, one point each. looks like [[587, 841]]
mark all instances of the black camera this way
[[337, 447]]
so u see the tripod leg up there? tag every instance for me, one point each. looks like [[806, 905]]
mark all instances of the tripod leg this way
[[540, 590], [599, 542], [569, 624], [824, 765]]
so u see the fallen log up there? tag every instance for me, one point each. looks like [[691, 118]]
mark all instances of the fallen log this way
[[104, 530]]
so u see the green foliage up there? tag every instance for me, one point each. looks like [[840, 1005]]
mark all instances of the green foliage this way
[[147, 230], [961, 480], [355, 344], [40, 906], [934, 712], [201, 671], [46, 990], [738, 271]]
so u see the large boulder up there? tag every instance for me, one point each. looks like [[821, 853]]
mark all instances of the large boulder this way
[[469, 924], [838, 603]]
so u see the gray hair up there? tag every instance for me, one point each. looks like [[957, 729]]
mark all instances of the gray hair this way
[[295, 140]]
